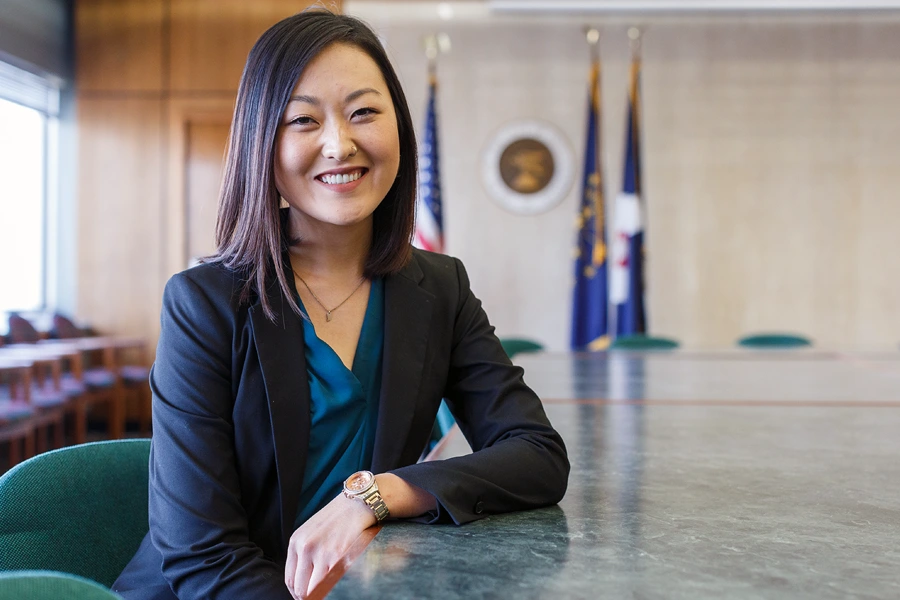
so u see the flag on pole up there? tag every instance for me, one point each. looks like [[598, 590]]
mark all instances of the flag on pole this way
[[627, 280], [429, 216], [590, 299]]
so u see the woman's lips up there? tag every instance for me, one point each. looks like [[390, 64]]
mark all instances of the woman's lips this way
[[342, 181]]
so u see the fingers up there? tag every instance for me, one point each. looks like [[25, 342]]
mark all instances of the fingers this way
[[298, 581], [297, 569], [305, 577], [290, 566], [318, 574]]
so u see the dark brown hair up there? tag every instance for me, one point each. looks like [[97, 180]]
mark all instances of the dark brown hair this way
[[249, 234]]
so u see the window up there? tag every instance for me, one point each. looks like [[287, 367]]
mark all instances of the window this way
[[28, 110]]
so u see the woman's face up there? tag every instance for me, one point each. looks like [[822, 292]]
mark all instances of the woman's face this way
[[337, 151]]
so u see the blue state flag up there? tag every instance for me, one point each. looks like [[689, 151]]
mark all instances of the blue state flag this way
[[627, 277], [590, 303]]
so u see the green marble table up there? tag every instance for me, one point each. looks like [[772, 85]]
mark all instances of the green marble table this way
[[706, 476]]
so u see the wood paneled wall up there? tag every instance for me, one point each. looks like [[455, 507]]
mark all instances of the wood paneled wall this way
[[119, 46], [155, 81]]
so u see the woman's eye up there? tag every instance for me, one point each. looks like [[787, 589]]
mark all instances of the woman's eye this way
[[301, 121], [365, 112]]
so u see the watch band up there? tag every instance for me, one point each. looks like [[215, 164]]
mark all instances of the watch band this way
[[374, 501]]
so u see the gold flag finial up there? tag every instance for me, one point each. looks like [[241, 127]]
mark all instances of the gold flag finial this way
[[592, 35], [431, 46], [635, 37], [435, 44]]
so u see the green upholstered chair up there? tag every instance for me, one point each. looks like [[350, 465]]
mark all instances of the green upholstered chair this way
[[514, 346], [774, 340], [50, 585], [640, 341], [80, 510]]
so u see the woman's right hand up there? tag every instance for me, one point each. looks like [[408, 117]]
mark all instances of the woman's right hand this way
[[322, 542]]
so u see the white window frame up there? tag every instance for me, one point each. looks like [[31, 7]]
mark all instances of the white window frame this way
[[40, 93]]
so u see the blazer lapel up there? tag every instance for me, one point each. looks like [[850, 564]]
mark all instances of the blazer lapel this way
[[407, 316], [282, 356]]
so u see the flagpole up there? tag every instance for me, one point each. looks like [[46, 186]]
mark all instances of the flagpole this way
[[590, 304], [592, 35], [627, 276], [635, 38]]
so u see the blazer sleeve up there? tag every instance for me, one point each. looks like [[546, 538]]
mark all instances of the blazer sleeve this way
[[197, 521], [519, 461]]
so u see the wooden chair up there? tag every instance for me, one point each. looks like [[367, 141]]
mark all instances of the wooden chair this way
[[136, 381], [127, 362], [98, 386], [17, 424], [21, 331], [65, 328], [50, 403], [47, 396]]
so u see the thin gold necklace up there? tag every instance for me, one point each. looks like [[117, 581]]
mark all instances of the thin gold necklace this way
[[319, 302]]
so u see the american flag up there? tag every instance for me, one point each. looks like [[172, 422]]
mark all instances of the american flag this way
[[429, 216]]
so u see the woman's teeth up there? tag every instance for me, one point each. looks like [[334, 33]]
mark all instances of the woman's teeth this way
[[343, 178]]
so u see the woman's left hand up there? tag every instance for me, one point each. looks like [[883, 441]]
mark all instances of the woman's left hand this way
[[320, 543]]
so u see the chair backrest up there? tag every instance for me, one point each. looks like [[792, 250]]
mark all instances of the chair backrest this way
[[774, 340], [64, 328], [79, 510], [640, 341], [514, 346], [50, 585], [21, 331]]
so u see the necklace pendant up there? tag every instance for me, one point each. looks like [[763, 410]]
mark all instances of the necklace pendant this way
[[328, 316]]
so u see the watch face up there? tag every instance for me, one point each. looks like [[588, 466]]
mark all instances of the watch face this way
[[359, 481]]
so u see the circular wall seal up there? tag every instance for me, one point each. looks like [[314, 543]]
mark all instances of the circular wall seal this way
[[527, 167]]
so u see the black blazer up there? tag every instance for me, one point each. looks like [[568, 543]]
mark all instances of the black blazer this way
[[231, 423]]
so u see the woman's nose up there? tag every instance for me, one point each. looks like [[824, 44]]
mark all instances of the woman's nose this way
[[338, 145]]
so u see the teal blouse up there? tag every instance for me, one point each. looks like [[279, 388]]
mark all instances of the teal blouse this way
[[343, 408]]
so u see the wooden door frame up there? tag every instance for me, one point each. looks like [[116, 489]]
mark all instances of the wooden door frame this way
[[183, 112]]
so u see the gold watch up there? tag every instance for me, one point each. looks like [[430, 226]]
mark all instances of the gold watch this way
[[361, 485]]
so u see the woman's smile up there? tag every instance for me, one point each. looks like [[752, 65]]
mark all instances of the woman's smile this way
[[342, 180]]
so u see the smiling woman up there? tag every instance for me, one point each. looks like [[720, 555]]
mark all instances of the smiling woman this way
[[299, 371]]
